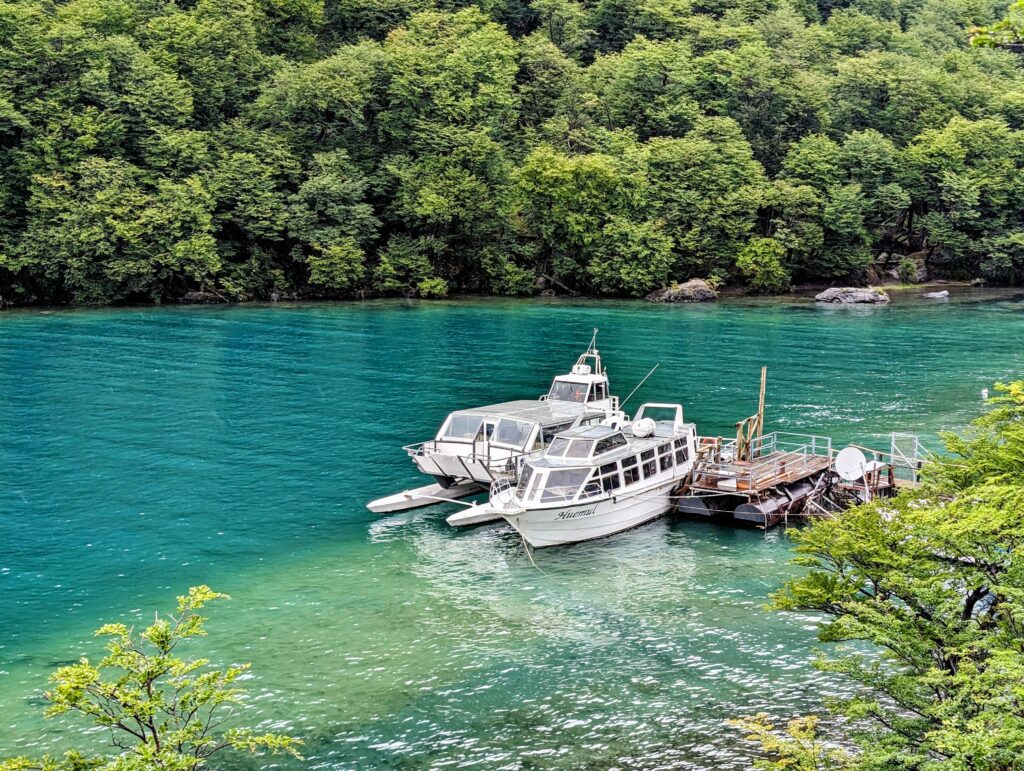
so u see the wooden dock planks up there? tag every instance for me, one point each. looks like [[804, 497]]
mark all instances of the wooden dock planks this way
[[766, 472]]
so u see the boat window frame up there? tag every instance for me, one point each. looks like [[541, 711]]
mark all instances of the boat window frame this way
[[591, 487], [610, 475], [525, 478], [666, 457], [562, 497], [586, 445], [598, 451], [553, 452], [577, 396], [648, 463], [497, 429], [682, 451], [443, 436], [550, 433], [630, 470]]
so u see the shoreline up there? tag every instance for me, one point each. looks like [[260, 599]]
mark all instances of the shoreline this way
[[800, 295]]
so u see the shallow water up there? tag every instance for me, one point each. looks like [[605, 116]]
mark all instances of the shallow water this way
[[145, 450]]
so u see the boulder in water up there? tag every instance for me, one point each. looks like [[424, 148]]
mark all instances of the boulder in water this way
[[852, 294], [937, 295], [201, 298], [693, 291]]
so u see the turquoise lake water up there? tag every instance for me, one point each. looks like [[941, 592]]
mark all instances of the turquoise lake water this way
[[145, 450]]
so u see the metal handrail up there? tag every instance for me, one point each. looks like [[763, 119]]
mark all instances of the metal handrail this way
[[780, 450]]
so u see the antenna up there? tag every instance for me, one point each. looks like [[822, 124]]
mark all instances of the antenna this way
[[623, 402], [593, 342]]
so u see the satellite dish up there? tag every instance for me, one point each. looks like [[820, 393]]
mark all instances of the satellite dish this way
[[644, 427], [850, 464]]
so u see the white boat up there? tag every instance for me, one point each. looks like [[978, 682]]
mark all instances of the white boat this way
[[476, 447], [594, 481]]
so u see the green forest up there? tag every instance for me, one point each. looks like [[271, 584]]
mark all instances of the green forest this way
[[154, 150]]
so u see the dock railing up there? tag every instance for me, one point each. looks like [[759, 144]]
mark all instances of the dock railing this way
[[904, 459], [775, 458]]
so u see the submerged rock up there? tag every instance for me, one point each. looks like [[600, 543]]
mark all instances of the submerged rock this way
[[693, 291], [937, 295], [852, 294]]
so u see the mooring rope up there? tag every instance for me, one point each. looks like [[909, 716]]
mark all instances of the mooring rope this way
[[529, 554]]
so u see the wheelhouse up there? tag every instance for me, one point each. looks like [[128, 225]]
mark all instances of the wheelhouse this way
[[587, 383]]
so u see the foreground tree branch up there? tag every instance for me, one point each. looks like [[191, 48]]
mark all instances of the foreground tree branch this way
[[159, 707]]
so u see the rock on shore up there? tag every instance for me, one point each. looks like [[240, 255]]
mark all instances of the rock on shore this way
[[693, 291], [852, 294]]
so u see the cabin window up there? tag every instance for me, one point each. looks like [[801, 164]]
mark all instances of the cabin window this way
[[609, 443], [580, 448], [682, 453], [630, 470], [564, 391], [598, 392], [463, 426], [591, 488], [558, 446], [548, 434], [563, 484], [665, 459], [532, 492], [512, 432], [610, 477], [649, 465], [524, 482]]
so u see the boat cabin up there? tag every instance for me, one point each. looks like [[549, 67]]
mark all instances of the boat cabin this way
[[486, 443], [592, 461]]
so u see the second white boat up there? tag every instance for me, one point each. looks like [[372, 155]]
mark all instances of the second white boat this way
[[594, 481]]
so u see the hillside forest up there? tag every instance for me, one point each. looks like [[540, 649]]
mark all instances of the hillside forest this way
[[154, 150]]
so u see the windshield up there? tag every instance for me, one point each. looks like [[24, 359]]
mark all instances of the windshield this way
[[524, 481], [564, 391], [463, 426], [512, 432], [563, 484]]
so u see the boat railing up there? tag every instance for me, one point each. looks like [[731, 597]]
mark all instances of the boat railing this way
[[507, 464], [502, 493], [773, 457]]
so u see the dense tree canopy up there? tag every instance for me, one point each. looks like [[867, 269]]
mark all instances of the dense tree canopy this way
[[924, 595], [326, 148]]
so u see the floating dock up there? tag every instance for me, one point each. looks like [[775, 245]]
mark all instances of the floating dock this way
[[765, 480]]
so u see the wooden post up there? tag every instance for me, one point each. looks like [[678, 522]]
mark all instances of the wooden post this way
[[760, 403]]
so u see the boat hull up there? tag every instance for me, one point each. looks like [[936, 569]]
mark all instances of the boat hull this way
[[428, 495], [474, 515], [587, 520]]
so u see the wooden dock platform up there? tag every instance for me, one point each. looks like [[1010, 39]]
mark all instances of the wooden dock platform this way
[[776, 459], [768, 479]]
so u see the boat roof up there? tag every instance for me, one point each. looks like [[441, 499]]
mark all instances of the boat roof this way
[[665, 429], [547, 412]]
